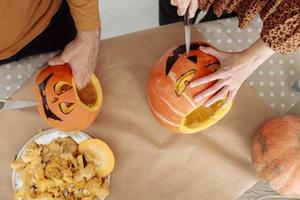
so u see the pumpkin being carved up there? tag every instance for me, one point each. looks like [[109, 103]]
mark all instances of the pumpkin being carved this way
[[63, 106], [275, 154], [171, 99]]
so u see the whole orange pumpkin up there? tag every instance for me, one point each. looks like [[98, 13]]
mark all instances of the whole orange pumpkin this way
[[171, 99], [276, 155], [63, 106]]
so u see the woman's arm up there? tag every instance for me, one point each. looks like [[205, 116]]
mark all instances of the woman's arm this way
[[235, 69], [281, 26], [82, 52], [280, 33]]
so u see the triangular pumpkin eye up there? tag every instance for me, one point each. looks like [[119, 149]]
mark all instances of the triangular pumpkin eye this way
[[196, 46], [179, 50], [194, 59], [66, 107], [170, 62], [62, 87]]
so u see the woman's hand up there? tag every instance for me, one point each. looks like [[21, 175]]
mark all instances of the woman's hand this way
[[81, 54], [182, 6], [235, 69]]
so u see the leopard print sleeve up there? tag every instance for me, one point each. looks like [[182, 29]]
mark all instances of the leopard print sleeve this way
[[281, 25], [281, 19]]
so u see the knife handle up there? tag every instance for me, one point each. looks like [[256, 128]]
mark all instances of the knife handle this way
[[187, 20]]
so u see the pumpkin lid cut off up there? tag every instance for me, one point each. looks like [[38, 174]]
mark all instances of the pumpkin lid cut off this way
[[100, 154]]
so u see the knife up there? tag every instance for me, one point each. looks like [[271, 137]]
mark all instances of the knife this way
[[16, 104], [187, 31]]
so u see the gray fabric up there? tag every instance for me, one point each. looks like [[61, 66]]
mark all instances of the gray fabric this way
[[262, 191], [14, 75]]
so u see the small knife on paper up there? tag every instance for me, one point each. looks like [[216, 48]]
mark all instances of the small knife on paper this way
[[16, 104]]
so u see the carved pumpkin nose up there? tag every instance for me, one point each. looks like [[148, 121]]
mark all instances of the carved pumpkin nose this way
[[63, 106], [171, 100]]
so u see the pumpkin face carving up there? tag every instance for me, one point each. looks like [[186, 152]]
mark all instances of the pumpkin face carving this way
[[275, 154], [63, 106], [171, 99]]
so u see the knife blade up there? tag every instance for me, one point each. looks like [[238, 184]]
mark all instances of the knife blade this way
[[16, 104], [187, 32]]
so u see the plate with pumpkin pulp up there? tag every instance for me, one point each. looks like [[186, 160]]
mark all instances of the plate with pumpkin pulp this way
[[60, 165]]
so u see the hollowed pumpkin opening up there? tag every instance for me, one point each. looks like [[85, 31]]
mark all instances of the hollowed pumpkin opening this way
[[203, 117], [90, 97]]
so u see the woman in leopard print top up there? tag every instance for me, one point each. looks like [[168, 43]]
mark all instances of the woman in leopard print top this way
[[280, 33]]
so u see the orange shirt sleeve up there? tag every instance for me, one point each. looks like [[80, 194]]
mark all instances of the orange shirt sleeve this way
[[85, 14]]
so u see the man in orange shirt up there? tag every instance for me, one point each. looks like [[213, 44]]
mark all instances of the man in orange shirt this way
[[30, 27]]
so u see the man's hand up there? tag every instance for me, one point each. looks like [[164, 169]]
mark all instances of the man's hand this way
[[81, 54]]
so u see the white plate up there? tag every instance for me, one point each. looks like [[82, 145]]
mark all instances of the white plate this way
[[45, 137]]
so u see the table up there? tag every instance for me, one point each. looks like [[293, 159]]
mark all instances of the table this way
[[151, 163]]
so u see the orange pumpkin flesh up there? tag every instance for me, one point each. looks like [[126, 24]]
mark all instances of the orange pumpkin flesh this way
[[63, 106], [171, 99], [275, 154]]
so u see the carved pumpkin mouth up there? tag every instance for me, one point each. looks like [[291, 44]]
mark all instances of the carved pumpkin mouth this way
[[183, 81], [42, 89]]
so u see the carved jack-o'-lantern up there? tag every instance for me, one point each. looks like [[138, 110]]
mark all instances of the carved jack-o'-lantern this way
[[63, 106], [170, 98]]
